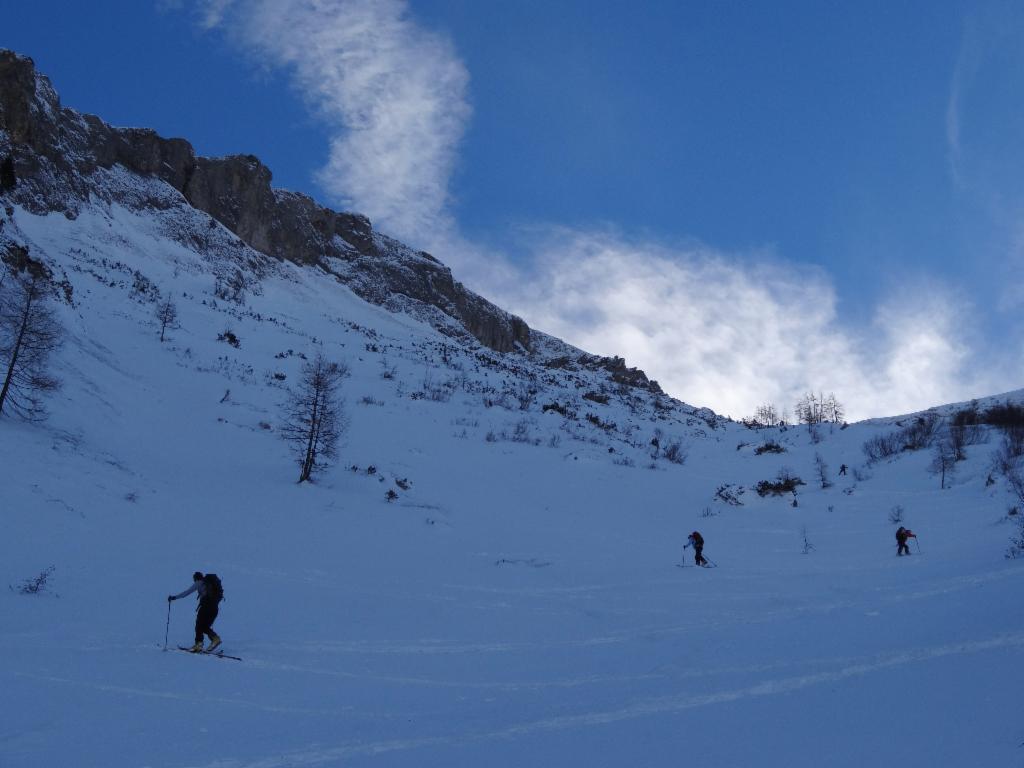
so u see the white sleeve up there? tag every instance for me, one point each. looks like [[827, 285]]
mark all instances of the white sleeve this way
[[187, 592]]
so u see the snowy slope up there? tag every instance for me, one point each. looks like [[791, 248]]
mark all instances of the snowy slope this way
[[519, 604]]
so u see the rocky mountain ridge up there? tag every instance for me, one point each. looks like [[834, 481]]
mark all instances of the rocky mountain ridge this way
[[50, 157]]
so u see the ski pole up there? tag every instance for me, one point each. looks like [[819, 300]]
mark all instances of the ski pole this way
[[167, 631], [918, 543]]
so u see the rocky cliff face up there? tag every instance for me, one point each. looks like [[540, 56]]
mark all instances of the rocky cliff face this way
[[49, 155], [54, 159]]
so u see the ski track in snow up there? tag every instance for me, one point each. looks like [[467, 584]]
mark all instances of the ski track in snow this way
[[661, 705]]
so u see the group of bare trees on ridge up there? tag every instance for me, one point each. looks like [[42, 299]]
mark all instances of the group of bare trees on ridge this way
[[810, 409]]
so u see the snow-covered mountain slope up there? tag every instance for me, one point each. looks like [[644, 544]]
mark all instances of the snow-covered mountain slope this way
[[518, 602]]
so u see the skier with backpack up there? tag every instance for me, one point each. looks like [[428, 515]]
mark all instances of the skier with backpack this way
[[211, 592], [696, 541], [902, 534]]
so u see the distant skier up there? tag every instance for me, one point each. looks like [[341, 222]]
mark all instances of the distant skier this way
[[696, 541], [842, 469], [210, 594], [902, 534]]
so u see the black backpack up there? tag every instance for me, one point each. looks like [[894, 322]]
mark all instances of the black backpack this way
[[214, 589]]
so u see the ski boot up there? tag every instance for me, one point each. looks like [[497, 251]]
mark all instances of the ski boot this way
[[214, 643], [197, 648]]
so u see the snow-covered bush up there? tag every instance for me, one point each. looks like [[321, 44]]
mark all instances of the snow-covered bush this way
[[913, 437], [1016, 548], [675, 452], [730, 495], [785, 482], [769, 446], [229, 337], [36, 585]]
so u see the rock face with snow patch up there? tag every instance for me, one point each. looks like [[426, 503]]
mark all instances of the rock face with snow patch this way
[[49, 156]]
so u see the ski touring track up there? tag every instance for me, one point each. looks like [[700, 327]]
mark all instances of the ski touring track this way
[[660, 705]]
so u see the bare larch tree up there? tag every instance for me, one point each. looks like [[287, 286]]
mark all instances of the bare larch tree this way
[[167, 316], [313, 416], [29, 332]]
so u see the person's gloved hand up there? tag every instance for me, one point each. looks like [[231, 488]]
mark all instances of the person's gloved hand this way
[[169, 598]]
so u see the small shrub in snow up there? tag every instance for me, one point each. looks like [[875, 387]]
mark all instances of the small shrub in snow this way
[[675, 452], [1016, 548], [822, 469], [708, 512], [769, 446], [231, 288], [896, 515], [624, 461], [1005, 416], [559, 409], [490, 437], [596, 397], [404, 483], [37, 585], [607, 426], [807, 546], [143, 289], [917, 435], [881, 446], [390, 495], [525, 395], [229, 337], [554, 441], [729, 495], [920, 434], [371, 400], [521, 432], [962, 436], [784, 482]]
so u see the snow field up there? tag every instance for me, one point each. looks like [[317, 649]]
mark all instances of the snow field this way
[[518, 605]]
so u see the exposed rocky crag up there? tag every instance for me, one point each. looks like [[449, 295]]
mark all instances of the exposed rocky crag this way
[[49, 154], [53, 159]]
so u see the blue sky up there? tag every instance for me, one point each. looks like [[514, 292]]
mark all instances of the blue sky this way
[[747, 200]]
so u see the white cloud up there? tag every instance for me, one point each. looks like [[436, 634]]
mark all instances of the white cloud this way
[[393, 92], [734, 332]]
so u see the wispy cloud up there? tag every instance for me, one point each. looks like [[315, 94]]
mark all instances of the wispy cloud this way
[[393, 92], [735, 331]]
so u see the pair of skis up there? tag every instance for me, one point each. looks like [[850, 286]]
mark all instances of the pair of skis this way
[[708, 564], [218, 654]]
